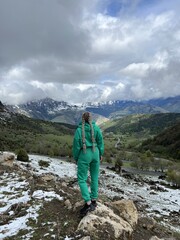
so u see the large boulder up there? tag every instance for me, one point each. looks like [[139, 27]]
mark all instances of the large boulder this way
[[127, 210], [104, 222], [7, 159]]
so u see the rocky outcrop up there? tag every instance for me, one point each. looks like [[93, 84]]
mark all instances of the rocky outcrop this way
[[127, 210], [104, 221], [7, 159], [2, 107]]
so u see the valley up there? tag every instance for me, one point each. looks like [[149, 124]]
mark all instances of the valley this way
[[138, 149]]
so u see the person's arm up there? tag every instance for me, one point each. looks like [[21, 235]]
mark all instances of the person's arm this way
[[100, 143], [76, 145]]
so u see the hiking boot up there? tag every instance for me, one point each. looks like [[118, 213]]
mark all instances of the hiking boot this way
[[87, 208], [94, 203]]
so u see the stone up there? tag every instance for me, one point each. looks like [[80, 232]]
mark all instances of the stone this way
[[64, 184], [151, 225], [47, 177], [85, 238], [127, 210], [68, 204], [7, 159], [78, 204], [103, 219], [155, 238]]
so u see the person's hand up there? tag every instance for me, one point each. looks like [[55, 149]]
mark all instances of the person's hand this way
[[101, 159]]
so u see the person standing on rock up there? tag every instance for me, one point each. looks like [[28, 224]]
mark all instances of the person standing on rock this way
[[88, 148]]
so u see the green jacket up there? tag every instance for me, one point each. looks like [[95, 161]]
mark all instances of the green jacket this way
[[78, 144]]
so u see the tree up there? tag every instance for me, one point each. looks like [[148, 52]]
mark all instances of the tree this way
[[173, 175], [118, 165], [136, 163], [145, 162], [119, 161]]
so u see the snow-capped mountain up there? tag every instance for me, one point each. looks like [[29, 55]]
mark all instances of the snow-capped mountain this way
[[55, 111], [60, 111], [4, 113], [42, 109]]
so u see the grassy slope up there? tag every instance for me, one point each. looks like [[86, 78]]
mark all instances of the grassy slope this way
[[136, 129], [20, 131], [167, 142], [151, 123]]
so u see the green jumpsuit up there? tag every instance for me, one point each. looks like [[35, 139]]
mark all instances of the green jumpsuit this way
[[89, 160]]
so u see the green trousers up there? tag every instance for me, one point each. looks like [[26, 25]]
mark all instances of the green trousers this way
[[88, 161]]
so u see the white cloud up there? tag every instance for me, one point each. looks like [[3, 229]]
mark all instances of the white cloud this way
[[77, 52]]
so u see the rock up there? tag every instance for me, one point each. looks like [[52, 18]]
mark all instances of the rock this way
[[128, 175], [117, 198], [155, 238], [78, 204], [158, 188], [68, 204], [85, 238], [47, 177], [104, 220], [150, 224], [64, 184], [127, 210], [153, 193], [7, 159], [103, 172], [162, 177]]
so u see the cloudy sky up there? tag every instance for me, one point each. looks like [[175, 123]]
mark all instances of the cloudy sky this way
[[89, 50]]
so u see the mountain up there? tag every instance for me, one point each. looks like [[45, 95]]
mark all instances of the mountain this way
[[167, 142], [2, 107], [139, 123], [60, 111], [4, 112], [55, 111], [44, 109], [35, 135], [116, 109], [171, 104]]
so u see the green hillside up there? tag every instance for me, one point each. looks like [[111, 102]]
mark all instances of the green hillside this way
[[166, 143], [35, 136], [151, 124]]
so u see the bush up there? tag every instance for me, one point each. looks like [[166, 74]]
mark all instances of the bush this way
[[118, 165], [43, 163], [22, 155]]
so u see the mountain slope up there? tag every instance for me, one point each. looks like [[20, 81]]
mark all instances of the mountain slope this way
[[55, 111], [116, 109], [150, 123], [45, 109], [60, 111], [171, 104], [19, 131], [167, 142]]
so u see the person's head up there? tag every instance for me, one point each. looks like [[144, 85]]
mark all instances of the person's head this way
[[87, 117]]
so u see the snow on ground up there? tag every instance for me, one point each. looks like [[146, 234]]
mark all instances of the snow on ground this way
[[160, 203], [15, 190], [164, 202], [57, 166]]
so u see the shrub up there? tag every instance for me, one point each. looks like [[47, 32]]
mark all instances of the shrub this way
[[22, 155], [43, 163], [118, 165]]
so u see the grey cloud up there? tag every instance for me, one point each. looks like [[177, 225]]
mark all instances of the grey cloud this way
[[49, 48], [40, 28]]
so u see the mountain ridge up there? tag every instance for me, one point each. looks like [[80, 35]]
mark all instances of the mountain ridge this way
[[52, 110]]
